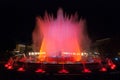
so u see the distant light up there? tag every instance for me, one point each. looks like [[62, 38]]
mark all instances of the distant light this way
[[103, 69], [10, 67], [32, 53], [113, 66], [21, 69], [86, 70], [82, 54], [116, 59], [96, 53], [35, 53], [63, 71], [6, 65], [40, 71], [29, 53]]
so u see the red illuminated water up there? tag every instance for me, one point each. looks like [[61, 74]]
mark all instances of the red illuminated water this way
[[21, 69], [62, 34], [103, 69], [40, 71]]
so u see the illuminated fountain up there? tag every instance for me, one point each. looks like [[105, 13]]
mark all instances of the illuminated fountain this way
[[61, 40], [64, 35]]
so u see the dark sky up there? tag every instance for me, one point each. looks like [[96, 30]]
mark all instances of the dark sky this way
[[18, 18]]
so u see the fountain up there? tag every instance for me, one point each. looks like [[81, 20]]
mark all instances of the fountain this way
[[59, 36], [60, 41]]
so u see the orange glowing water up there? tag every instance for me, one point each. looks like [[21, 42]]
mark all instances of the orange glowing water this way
[[55, 36]]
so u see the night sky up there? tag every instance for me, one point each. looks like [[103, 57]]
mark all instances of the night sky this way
[[17, 18]]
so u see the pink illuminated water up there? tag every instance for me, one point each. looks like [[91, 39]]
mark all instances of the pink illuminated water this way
[[61, 34]]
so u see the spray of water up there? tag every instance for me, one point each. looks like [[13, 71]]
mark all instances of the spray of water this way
[[61, 34]]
